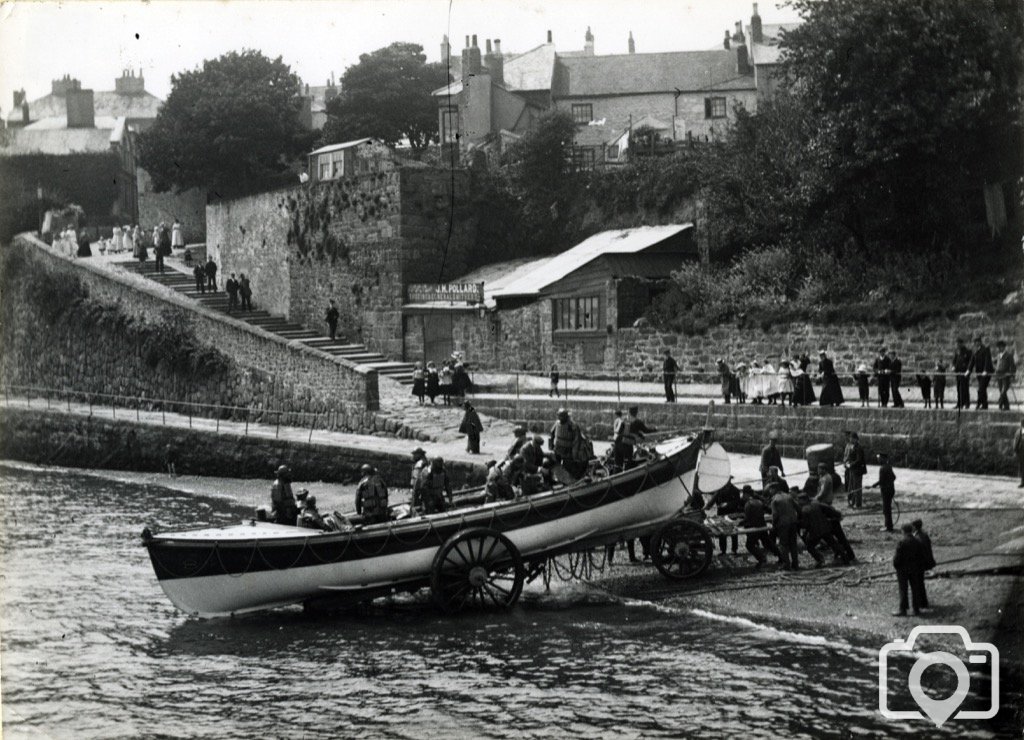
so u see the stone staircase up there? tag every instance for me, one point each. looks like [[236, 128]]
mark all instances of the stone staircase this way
[[175, 278]]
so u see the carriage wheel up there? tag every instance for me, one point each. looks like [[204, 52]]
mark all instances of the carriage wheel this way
[[477, 568], [682, 549]]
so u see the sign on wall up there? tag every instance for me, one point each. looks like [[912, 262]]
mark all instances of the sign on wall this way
[[451, 292]]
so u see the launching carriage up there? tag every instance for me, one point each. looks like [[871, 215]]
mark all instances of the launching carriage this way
[[475, 554]]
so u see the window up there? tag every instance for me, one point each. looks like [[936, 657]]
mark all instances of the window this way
[[576, 314], [324, 168], [583, 158], [613, 152], [582, 112], [714, 108], [449, 125]]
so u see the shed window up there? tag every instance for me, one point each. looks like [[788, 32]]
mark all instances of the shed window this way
[[583, 157], [613, 152], [576, 314], [714, 107], [582, 112]]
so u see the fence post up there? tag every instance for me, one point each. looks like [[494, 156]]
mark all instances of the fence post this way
[[311, 427], [247, 422], [69, 403], [517, 385], [218, 423], [277, 432], [113, 405], [190, 416]]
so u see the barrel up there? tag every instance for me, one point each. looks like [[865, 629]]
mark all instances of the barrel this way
[[823, 453]]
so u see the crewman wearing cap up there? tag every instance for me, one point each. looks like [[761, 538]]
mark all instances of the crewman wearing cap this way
[[564, 436], [310, 518], [419, 463], [283, 509], [435, 489], [770, 457], [533, 455], [371, 496], [520, 440], [634, 431]]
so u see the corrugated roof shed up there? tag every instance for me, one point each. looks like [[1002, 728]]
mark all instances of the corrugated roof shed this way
[[532, 278], [636, 74], [339, 147]]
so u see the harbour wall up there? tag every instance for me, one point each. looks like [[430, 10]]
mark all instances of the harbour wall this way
[[970, 442], [53, 437], [72, 324]]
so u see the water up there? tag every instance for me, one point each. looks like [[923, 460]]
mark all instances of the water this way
[[91, 648]]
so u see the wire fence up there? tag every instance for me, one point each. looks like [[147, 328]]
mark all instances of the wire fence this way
[[135, 406]]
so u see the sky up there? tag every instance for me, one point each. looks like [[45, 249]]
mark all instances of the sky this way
[[93, 41]]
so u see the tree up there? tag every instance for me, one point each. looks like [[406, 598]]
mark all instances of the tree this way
[[387, 96], [230, 126], [915, 102]]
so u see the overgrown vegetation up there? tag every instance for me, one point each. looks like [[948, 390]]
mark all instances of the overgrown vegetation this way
[[63, 304]]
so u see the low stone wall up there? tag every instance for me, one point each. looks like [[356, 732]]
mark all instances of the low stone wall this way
[[133, 345], [57, 438], [849, 344], [973, 442]]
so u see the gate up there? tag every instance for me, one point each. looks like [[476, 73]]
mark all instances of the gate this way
[[437, 337]]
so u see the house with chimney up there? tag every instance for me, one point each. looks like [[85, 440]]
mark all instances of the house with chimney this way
[[79, 145], [681, 96]]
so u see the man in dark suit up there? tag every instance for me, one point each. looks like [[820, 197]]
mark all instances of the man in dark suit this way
[[981, 365], [883, 371], [669, 368], [929, 558], [909, 565], [895, 379], [961, 363]]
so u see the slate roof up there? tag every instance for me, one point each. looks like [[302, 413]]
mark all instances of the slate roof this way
[[105, 103], [532, 278], [52, 136], [768, 52], [633, 74]]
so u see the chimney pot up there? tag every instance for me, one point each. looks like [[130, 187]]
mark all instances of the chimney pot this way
[[467, 42], [497, 46], [727, 42], [756, 32], [489, 50], [474, 42], [549, 37], [631, 44]]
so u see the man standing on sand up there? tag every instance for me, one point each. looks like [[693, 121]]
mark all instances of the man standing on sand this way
[[668, 373], [887, 483], [471, 426], [770, 457], [1018, 451], [929, 558], [856, 465], [909, 564], [785, 521]]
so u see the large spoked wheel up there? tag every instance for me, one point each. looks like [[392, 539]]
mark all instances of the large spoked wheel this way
[[477, 568], [682, 549]]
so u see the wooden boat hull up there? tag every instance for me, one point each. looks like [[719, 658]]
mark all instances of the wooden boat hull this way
[[253, 566]]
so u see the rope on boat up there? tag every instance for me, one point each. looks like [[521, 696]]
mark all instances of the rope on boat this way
[[220, 561], [287, 567]]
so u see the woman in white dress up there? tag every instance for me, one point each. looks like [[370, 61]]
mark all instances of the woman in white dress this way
[[785, 383], [756, 384], [177, 236], [771, 381], [115, 241]]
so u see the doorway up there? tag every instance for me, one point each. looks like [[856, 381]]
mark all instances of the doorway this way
[[437, 337]]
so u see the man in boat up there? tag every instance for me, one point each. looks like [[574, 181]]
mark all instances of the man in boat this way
[[435, 489], [520, 440], [533, 455], [310, 517], [283, 509], [563, 441], [419, 464], [774, 482], [636, 430], [371, 496], [770, 457], [501, 479]]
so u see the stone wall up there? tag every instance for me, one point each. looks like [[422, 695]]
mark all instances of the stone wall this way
[[52, 437], [250, 235], [122, 334], [359, 240], [524, 341], [974, 442], [188, 206]]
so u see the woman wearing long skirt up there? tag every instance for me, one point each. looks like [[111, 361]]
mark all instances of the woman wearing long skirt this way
[[804, 389], [433, 383], [446, 382], [770, 382], [786, 387], [831, 393], [418, 382]]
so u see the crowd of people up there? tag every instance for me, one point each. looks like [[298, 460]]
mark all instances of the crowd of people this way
[[450, 382], [792, 381]]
